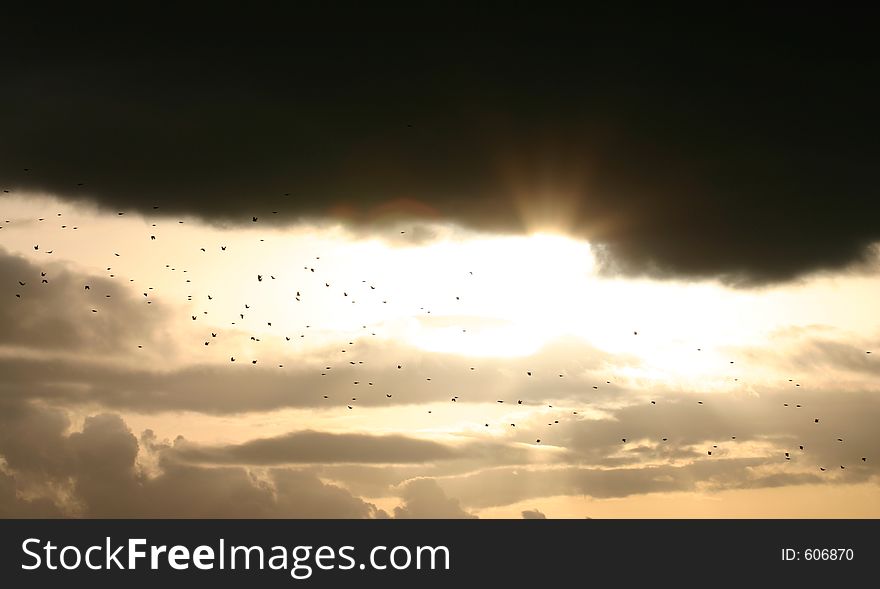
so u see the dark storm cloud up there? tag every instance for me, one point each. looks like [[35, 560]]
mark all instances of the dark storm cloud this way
[[745, 150]]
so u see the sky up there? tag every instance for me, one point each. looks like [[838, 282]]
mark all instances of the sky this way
[[619, 273]]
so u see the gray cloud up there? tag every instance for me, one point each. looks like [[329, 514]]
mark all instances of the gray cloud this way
[[57, 315], [319, 447], [504, 486], [95, 473], [425, 499], [533, 514], [12, 505], [217, 389]]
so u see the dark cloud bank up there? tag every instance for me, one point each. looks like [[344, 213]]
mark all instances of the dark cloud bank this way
[[745, 150]]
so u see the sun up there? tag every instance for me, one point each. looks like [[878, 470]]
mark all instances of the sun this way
[[522, 294]]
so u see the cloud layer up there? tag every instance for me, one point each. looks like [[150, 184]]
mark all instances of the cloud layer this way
[[677, 152]]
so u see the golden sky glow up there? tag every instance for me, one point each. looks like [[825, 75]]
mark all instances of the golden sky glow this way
[[580, 360]]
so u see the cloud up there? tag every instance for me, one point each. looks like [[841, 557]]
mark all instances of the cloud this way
[[762, 175], [12, 505], [424, 499], [216, 389], [533, 514], [319, 447], [96, 473], [56, 315], [504, 486]]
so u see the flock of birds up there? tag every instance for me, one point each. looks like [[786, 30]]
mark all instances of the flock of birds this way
[[297, 296]]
